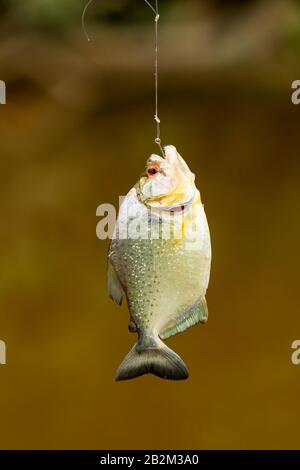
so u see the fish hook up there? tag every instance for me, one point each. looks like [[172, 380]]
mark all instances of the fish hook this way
[[83, 19]]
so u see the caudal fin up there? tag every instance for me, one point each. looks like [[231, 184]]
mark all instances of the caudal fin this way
[[155, 359]]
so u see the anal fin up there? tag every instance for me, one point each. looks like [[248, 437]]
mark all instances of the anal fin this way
[[198, 313]]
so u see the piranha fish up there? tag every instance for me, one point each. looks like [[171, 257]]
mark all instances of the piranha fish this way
[[160, 257]]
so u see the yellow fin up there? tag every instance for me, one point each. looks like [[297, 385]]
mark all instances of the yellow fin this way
[[198, 313]]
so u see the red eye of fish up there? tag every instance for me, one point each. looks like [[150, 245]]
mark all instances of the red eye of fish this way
[[152, 170]]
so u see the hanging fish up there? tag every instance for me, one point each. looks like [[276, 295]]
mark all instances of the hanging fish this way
[[160, 257]]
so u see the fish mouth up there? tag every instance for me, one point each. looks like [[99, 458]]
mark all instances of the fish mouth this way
[[168, 152], [164, 149]]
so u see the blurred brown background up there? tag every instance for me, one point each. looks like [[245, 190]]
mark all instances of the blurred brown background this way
[[76, 131]]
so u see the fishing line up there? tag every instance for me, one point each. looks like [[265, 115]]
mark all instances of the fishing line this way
[[155, 10]]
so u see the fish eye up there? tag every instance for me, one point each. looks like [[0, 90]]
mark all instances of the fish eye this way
[[152, 170]]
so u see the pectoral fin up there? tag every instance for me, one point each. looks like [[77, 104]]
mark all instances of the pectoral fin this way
[[198, 313], [132, 326], [113, 284]]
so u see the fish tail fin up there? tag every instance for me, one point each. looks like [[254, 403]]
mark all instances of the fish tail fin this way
[[151, 356]]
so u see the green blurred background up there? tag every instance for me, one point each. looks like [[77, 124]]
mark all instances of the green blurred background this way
[[76, 131]]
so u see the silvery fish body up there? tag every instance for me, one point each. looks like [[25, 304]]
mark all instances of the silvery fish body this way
[[160, 258]]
